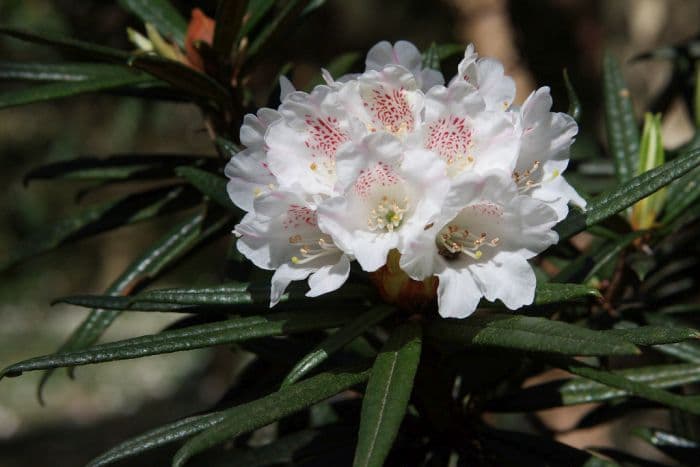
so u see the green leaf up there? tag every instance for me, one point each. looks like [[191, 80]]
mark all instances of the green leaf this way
[[682, 194], [261, 412], [685, 351], [162, 15], [210, 184], [100, 218], [22, 71], [621, 125], [118, 167], [614, 201], [70, 45], [336, 341], [158, 437], [445, 51], [290, 10], [431, 57], [582, 391], [574, 102], [257, 9], [655, 335], [232, 294], [596, 259], [181, 77], [689, 404], [229, 19], [387, 394], [683, 449], [194, 337], [120, 77], [527, 333], [552, 292]]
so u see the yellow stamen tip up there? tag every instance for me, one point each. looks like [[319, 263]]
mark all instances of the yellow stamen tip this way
[[478, 254], [313, 166], [295, 260]]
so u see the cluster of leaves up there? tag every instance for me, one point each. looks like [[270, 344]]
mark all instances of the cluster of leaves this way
[[417, 386]]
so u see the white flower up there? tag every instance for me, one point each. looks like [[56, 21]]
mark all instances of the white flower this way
[[487, 76], [388, 194], [479, 244], [387, 100], [283, 235], [464, 185], [545, 139], [467, 136], [408, 56], [248, 172], [302, 145]]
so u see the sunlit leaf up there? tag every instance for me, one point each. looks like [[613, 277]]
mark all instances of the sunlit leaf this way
[[387, 394], [614, 201], [261, 412], [527, 333], [194, 337], [335, 342], [620, 122]]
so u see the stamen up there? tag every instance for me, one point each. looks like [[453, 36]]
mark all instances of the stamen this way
[[454, 240], [388, 215], [311, 250], [524, 180]]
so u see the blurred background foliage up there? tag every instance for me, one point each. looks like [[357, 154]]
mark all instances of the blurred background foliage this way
[[108, 403]]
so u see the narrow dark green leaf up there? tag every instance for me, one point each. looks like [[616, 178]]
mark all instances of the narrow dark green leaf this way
[[655, 335], [682, 194], [257, 10], [261, 412], [288, 12], [210, 184], [685, 351], [445, 51], [118, 167], [431, 57], [119, 78], [335, 342], [70, 45], [229, 19], [527, 333], [227, 148], [232, 294], [582, 391], [682, 449], [158, 437], [689, 404], [100, 218], [553, 292], [22, 71], [386, 398], [162, 15], [181, 77], [612, 202], [574, 102], [194, 337], [620, 122]]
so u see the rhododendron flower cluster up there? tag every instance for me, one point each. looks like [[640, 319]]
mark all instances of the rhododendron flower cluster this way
[[463, 184]]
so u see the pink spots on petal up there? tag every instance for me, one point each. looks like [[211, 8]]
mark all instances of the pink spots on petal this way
[[488, 209], [450, 138], [390, 108], [325, 136], [298, 216], [381, 174], [266, 166]]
